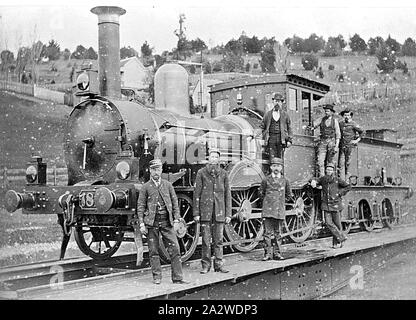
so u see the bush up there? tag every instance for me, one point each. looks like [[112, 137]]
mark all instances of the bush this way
[[402, 66], [217, 67], [331, 67], [309, 62]]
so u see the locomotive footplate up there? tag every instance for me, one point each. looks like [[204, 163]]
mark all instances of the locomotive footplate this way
[[308, 272]]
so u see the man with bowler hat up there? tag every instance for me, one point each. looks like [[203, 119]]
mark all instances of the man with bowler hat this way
[[274, 189], [158, 213], [333, 188], [330, 136], [351, 134], [276, 128], [212, 206]]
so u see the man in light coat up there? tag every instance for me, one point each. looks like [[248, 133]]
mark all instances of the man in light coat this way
[[212, 206], [274, 189]]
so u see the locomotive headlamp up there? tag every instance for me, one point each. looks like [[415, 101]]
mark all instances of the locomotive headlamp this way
[[83, 81], [123, 170], [31, 174]]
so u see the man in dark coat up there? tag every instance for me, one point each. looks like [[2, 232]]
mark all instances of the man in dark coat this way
[[330, 135], [277, 129], [274, 189], [212, 206], [333, 188], [158, 213], [351, 134]]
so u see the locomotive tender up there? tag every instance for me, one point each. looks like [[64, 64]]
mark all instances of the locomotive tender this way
[[109, 142]]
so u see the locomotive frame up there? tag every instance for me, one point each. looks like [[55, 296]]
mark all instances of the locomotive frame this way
[[109, 143]]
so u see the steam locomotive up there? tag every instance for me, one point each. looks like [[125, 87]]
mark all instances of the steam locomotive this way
[[109, 142]]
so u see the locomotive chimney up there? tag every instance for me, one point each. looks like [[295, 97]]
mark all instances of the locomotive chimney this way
[[109, 50]]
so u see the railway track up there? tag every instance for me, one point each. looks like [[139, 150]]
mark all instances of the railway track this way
[[39, 278]]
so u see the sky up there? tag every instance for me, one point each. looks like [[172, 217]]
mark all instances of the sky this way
[[71, 23]]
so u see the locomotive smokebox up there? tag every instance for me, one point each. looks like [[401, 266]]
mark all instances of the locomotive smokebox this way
[[109, 50], [172, 89]]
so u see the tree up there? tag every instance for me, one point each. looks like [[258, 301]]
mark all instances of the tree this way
[[79, 52], [340, 39], [22, 60], [392, 44], [310, 61], [232, 62], [90, 54], [409, 47], [160, 59], [66, 54], [386, 59], [296, 44], [357, 44], [146, 50], [313, 43], [268, 59], [207, 67], [53, 50], [234, 46], [198, 45], [332, 48], [7, 60], [128, 52], [373, 44], [252, 45], [282, 57]]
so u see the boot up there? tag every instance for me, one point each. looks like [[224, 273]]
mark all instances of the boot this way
[[269, 254]]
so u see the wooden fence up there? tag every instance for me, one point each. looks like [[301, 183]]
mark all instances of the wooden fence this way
[[365, 94], [38, 92]]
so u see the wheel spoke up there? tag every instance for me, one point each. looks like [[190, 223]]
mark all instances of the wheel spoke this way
[[254, 229]]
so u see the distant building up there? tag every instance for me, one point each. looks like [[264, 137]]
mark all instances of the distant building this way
[[133, 73], [196, 93]]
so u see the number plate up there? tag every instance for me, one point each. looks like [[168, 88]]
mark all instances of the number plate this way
[[86, 199]]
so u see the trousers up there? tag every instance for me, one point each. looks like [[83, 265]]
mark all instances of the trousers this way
[[275, 146], [215, 230], [344, 161], [333, 222], [273, 228], [171, 244], [326, 154]]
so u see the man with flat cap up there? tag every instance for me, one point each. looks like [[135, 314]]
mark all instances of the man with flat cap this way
[[330, 136], [351, 134], [333, 188], [158, 213], [273, 190], [276, 128], [212, 206]]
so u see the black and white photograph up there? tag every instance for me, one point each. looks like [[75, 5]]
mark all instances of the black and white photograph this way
[[225, 152]]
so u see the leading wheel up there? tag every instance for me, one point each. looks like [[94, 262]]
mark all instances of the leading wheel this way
[[189, 241], [98, 243], [300, 214], [246, 224]]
